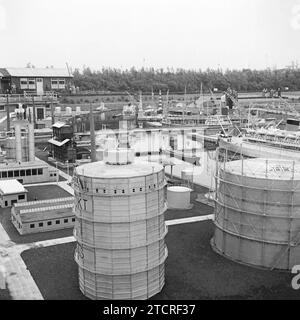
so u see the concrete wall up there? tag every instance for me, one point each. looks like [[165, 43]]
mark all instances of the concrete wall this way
[[25, 228], [5, 200]]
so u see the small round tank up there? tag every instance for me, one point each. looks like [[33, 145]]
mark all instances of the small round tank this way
[[179, 198]]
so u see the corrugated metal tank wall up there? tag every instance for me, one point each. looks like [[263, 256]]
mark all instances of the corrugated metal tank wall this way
[[120, 230], [257, 219]]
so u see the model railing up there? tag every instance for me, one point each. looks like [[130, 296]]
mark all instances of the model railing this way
[[28, 97]]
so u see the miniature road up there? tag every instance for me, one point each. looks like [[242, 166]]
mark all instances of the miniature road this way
[[19, 280]]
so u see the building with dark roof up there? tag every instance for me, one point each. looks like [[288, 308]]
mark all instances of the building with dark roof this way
[[61, 145]]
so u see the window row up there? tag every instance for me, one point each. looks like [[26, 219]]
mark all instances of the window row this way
[[58, 84], [104, 191], [50, 223], [21, 173], [27, 83]]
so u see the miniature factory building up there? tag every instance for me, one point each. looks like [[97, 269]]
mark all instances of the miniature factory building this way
[[19, 161], [61, 145], [28, 172], [43, 216], [11, 192]]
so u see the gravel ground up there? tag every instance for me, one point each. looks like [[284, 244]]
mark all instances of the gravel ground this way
[[193, 271]]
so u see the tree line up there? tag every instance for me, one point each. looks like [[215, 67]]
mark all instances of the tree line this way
[[180, 80]]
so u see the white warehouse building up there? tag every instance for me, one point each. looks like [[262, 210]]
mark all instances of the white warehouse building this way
[[11, 192]]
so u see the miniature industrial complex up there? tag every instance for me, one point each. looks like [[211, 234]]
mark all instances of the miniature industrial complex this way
[[112, 199]]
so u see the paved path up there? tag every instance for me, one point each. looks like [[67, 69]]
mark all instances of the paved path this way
[[19, 281]]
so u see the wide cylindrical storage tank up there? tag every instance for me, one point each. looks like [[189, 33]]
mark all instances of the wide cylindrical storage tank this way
[[120, 229], [179, 198], [257, 213]]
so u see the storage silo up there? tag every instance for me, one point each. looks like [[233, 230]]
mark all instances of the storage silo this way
[[120, 227], [257, 212], [179, 198]]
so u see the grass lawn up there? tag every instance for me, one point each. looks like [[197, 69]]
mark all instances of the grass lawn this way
[[193, 271], [46, 192]]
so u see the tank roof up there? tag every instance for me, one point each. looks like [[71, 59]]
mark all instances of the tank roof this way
[[265, 168], [179, 189], [106, 171]]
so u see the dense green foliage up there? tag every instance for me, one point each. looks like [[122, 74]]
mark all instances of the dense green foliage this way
[[115, 80]]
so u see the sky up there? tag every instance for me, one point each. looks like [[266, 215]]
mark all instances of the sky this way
[[189, 34]]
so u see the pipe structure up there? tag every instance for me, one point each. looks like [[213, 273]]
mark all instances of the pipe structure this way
[[7, 114], [31, 142], [18, 142], [52, 114], [92, 132]]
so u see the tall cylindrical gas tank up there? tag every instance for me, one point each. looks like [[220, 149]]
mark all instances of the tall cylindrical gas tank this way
[[120, 229]]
